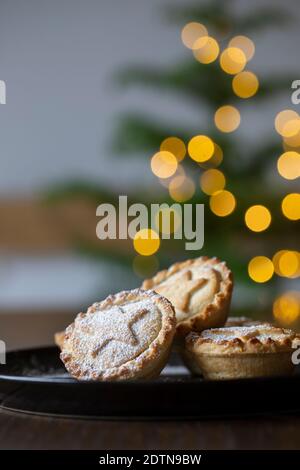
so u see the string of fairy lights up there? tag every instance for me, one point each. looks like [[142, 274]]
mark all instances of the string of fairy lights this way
[[167, 166]]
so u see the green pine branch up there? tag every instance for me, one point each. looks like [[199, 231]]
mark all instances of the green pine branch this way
[[137, 133], [198, 82], [218, 15]]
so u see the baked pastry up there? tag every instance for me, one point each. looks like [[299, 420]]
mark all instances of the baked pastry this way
[[59, 338], [244, 321], [241, 352], [128, 335], [200, 290]]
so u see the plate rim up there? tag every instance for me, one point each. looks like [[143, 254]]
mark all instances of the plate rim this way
[[69, 381]]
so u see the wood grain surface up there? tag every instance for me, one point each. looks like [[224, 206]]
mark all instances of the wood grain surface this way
[[21, 431]]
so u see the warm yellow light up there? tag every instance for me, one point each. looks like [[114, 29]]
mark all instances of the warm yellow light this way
[[179, 172], [286, 308], [222, 203], [286, 123], [146, 242], [168, 220], [163, 164], [181, 188], [245, 44], [191, 32], [291, 206], [293, 141], [206, 50], [258, 218], [276, 259], [201, 148], [260, 269], [212, 181], [215, 160], [245, 84], [288, 263], [289, 165], [291, 128], [227, 118], [233, 60], [175, 146], [145, 266], [289, 148]]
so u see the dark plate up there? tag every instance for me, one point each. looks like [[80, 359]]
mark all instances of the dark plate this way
[[35, 381]]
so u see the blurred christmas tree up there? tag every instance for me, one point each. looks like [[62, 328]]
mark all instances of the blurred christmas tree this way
[[209, 163]]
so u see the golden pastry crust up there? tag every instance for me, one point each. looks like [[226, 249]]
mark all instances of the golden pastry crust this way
[[241, 352], [200, 290], [261, 338], [59, 338], [127, 335]]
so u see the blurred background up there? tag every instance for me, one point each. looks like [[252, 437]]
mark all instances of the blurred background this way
[[163, 101]]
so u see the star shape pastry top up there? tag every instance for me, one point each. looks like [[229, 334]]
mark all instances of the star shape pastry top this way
[[200, 290], [127, 335]]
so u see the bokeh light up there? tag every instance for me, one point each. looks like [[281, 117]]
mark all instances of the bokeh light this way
[[215, 160], [145, 266], [146, 242], [191, 32], [227, 118], [222, 203], [258, 218], [290, 148], [276, 259], [288, 165], [245, 44], [245, 84], [292, 142], [206, 50], [175, 146], [233, 60], [287, 123], [286, 308], [260, 269], [201, 148], [181, 188], [163, 164], [287, 263], [291, 128], [212, 181], [179, 172], [291, 206]]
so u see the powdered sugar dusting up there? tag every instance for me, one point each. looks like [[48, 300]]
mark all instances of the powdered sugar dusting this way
[[110, 337], [262, 332]]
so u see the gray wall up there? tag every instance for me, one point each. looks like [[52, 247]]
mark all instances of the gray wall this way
[[57, 58]]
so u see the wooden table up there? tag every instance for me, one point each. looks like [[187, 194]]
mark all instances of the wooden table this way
[[23, 431]]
